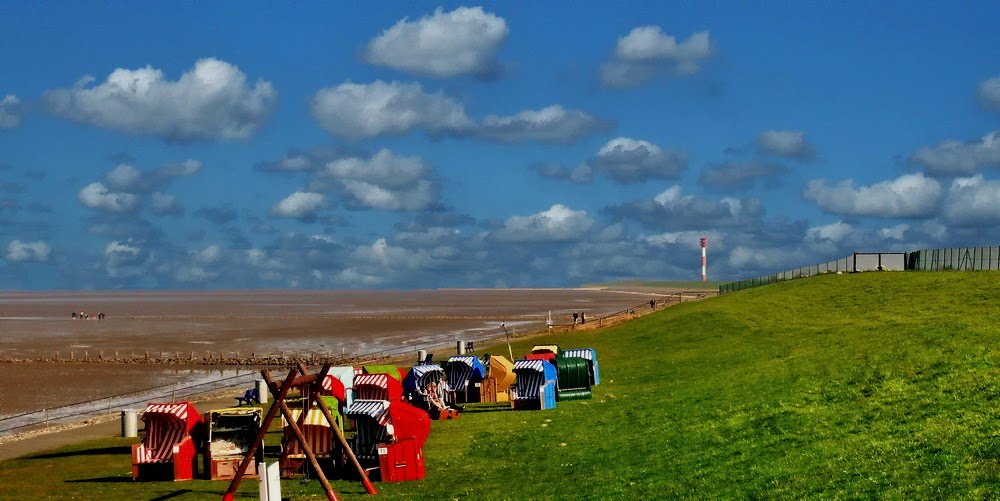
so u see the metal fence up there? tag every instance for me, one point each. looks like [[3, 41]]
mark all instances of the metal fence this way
[[109, 405], [958, 258]]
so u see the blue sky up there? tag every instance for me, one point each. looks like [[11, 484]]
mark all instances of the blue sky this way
[[406, 145]]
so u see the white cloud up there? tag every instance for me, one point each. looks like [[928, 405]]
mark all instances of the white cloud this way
[[894, 232], [358, 111], [628, 160], [953, 158], [210, 101], [420, 196], [690, 240], [989, 93], [19, 251], [558, 224], [973, 201], [123, 177], [759, 258], [11, 112], [298, 205], [208, 255], [910, 195], [444, 44], [786, 144], [164, 204], [96, 196], [117, 247], [552, 124], [384, 181], [834, 232], [646, 51]]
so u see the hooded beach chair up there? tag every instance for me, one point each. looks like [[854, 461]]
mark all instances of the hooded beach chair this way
[[318, 435], [230, 434], [464, 375], [536, 385], [346, 377], [390, 438], [389, 369], [167, 451], [590, 355], [378, 387], [499, 378], [425, 388], [543, 352], [574, 378]]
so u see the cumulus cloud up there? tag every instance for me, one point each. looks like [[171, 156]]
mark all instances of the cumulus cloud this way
[[834, 232], [444, 44], [384, 181], [785, 144], [210, 101], [581, 174], [647, 51], [989, 93], [126, 177], [299, 205], [18, 251], [741, 176], [96, 196], [954, 158], [299, 161], [12, 112], [672, 209], [690, 240], [557, 224], [359, 111], [628, 160], [910, 195], [163, 204], [973, 201], [552, 124]]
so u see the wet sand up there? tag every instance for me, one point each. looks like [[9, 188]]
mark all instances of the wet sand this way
[[37, 325]]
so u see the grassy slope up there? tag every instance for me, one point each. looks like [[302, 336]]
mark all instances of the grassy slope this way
[[851, 385]]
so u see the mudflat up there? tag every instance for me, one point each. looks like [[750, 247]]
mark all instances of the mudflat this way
[[38, 325]]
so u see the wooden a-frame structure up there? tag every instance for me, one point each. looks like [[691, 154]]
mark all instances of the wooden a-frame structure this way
[[279, 393]]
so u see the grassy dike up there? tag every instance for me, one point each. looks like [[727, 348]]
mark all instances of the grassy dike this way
[[840, 385]]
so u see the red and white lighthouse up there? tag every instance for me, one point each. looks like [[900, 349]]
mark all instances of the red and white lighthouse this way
[[704, 259]]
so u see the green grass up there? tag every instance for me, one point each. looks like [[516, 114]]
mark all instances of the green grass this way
[[866, 385]]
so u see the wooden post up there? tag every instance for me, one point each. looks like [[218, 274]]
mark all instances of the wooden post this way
[[316, 385], [306, 448], [279, 394]]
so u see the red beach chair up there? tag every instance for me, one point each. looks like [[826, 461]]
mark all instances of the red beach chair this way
[[167, 451]]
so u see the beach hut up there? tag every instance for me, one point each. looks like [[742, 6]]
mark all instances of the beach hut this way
[[536, 385], [167, 450], [574, 378], [499, 378], [230, 433], [390, 438], [425, 388], [590, 355], [318, 435], [464, 377]]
